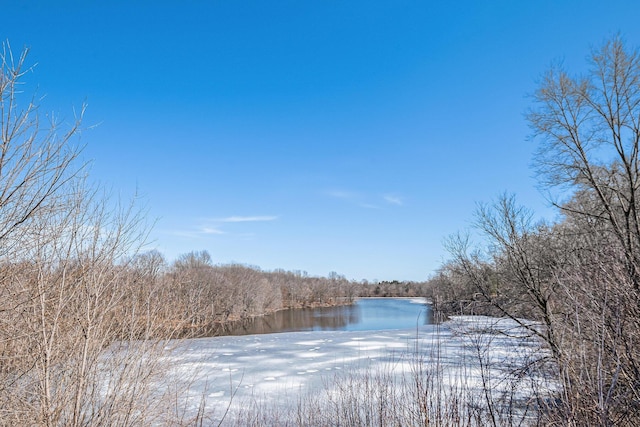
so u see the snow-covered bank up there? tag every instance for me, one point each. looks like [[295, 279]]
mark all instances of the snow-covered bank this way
[[279, 369]]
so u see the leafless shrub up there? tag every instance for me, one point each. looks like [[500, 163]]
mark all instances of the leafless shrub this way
[[76, 313]]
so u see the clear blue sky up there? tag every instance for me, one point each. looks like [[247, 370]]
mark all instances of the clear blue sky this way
[[347, 136]]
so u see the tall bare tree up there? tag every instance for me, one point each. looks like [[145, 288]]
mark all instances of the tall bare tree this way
[[580, 276], [589, 132], [37, 156], [76, 314]]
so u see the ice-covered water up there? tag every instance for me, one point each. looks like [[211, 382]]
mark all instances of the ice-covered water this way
[[268, 367], [275, 369]]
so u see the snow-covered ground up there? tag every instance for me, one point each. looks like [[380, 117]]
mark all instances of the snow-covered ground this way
[[276, 369]]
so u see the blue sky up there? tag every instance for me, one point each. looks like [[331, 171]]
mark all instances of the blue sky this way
[[347, 136]]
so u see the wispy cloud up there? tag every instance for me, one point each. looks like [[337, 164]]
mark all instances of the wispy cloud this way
[[341, 194], [216, 226], [211, 230], [393, 200], [247, 218], [364, 200], [195, 233], [351, 197], [368, 206], [189, 234]]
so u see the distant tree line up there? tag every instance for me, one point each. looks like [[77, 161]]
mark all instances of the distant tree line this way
[[194, 297], [393, 288], [203, 297]]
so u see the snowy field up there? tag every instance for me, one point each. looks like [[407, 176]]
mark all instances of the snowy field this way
[[225, 375]]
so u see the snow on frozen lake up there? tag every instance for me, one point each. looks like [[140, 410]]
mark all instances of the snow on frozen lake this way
[[278, 369]]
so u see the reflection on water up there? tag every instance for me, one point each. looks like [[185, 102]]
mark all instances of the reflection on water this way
[[365, 314]]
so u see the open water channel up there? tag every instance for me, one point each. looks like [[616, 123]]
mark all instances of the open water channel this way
[[365, 314]]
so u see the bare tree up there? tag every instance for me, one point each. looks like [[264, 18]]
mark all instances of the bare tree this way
[[71, 315], [516, 276], [589, 128], [36, 159], [36, 170], [581, 276]]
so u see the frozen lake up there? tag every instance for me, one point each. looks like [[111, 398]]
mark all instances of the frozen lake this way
[[279, 369]]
